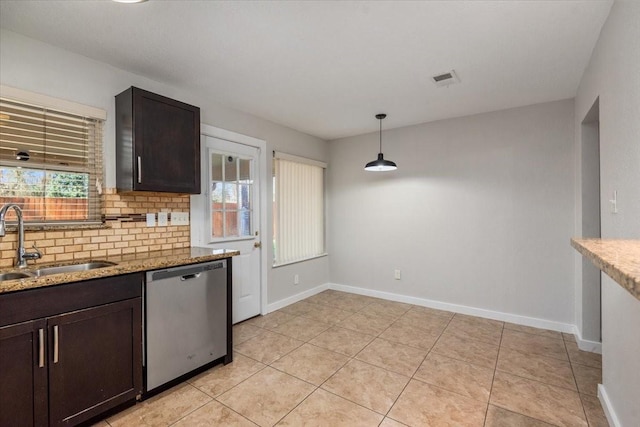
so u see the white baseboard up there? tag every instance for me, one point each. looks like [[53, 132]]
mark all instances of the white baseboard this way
[[463, 309], [295, 298], [586, 345], [607, 407]]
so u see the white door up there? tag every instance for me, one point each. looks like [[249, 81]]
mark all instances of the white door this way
[[231, 220]]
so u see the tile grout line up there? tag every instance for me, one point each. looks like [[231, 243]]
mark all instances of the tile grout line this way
[[414, 373], [584, 411], [535, 380], [234, 411], [352, 358], [500, 346], [576, 390], [318, 387], [494, 376], [206, 403], [493, 379], [274, 368], [395, 319]]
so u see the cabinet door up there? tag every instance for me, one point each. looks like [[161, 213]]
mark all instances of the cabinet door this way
[[23, 374], [167, 144], [95, 360]]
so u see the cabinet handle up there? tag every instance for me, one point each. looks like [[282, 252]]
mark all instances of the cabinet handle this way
[[41, 348], [55, 344], [139, 170]]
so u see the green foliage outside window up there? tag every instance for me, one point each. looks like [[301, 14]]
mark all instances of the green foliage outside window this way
[[20, 182]]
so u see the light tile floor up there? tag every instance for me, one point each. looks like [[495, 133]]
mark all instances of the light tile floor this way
[[339, 359]]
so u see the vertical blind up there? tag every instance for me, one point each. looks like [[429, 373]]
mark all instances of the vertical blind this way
[[50, 163], [298, 211]]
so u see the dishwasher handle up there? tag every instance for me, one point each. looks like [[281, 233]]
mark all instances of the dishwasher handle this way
[[186, 272]]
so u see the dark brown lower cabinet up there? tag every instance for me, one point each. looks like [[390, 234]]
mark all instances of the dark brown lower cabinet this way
[[90, 366], [64, 369], [23, 375]]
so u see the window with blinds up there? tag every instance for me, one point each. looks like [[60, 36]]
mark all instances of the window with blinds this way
[[50, 163], [298, 209]]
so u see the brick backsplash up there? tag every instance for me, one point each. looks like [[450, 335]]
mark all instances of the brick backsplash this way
[[125, 231]]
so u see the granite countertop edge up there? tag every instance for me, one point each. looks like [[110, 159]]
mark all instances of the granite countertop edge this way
[[125, 264], [619, 259]]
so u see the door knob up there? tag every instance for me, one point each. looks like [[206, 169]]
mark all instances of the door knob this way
[[257, 245]]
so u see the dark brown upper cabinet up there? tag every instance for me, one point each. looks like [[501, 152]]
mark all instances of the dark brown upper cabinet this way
[[157, 143]]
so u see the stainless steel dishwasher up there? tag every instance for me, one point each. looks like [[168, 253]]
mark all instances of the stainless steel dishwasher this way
[[185, 320]]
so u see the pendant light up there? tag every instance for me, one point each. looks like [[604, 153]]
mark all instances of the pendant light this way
[[380, 164]]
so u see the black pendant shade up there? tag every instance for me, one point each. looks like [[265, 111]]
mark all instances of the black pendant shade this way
[[380, 164]]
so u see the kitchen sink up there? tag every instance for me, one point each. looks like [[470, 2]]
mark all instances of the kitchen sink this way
[[45, 271], [13, 276]]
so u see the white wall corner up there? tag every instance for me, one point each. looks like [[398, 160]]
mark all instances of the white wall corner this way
[[295, 298], [586, 345], [607, 407]]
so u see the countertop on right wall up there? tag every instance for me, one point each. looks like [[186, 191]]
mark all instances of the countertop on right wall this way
[[620, 259]]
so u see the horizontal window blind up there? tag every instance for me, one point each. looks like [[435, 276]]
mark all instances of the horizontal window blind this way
[[50, 163], [298, 211]]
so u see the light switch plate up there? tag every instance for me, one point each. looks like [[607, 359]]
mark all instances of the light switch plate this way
[[151, 220], [163, 219]]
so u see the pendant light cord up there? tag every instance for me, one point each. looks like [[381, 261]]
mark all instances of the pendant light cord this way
[[380, 136]]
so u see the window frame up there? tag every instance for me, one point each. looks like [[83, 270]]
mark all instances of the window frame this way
[[252, 213], [276, 204], [95, 155]]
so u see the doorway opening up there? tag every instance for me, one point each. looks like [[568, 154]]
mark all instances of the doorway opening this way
[[231, 212], [591, 212]]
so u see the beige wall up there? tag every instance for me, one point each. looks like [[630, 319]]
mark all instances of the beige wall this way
[[479, 213], [613, 77]]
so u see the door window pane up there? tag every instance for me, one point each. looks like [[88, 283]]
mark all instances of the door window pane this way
[[218, 224], [216, 167], [231, 168], [245, 169], [231, 196], [231, 223], [216, 193], [245, 196], [245, 223]]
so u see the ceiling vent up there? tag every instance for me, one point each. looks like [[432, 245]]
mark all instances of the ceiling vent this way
[[446, 79]]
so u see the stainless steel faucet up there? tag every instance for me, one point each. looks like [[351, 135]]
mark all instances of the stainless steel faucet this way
[[21, 254]]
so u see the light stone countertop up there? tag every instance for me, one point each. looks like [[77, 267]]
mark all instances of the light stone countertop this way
[[620, 259], [125, 264]]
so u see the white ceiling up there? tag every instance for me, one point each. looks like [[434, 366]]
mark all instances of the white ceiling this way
[[327, 67]]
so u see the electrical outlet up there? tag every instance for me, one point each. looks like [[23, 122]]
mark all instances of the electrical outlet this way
[[151, 220], [397, 274], [296, 279], [163, 219], [179, 218]]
